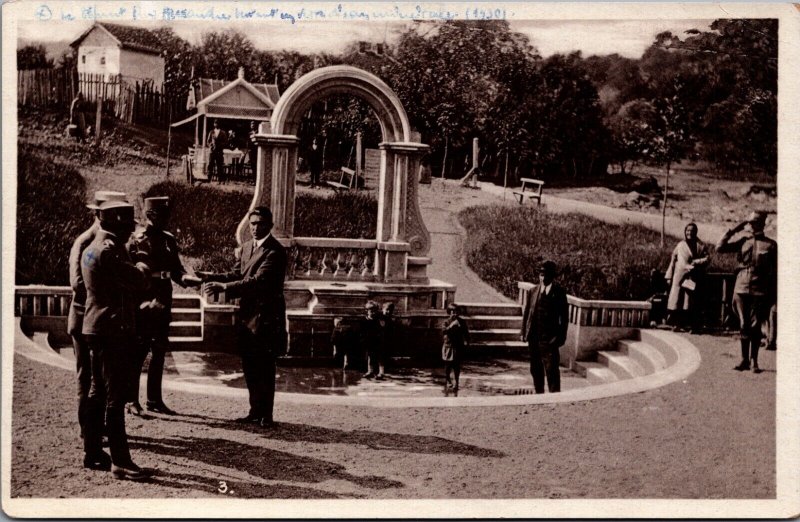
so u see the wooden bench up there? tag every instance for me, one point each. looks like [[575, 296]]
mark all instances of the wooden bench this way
[[535, 192]]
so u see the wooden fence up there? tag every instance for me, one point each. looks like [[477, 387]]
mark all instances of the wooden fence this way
[[126, 99]]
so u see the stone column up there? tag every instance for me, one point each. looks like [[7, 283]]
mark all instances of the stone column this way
[[275, 179], [400, 231]]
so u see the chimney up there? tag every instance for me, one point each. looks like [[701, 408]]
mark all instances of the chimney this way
[[241, 73]]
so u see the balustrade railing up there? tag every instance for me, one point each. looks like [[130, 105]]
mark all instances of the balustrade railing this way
[[584, 312], [42, 301]]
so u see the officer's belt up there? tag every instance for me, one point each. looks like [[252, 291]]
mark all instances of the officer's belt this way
[[164, 274]]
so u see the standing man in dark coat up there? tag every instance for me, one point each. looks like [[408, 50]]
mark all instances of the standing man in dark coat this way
[[94, 458], [217, 142], [756, 287], [544, 327], [258, 283], [158, 249], [112, 282]]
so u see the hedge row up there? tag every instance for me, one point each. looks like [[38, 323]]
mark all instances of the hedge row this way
[[596, 260]]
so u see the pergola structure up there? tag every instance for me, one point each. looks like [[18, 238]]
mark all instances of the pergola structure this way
[[230, 100]]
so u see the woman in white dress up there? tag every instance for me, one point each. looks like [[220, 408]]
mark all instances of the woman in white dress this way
[[684, 276]]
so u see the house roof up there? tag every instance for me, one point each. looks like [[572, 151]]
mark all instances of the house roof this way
[[126, 36], [208, 87]]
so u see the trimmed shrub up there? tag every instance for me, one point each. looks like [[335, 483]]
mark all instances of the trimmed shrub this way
[[596, 260], [205, 218], [51, 213]]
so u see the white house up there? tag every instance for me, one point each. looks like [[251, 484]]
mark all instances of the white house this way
[[133, 53]]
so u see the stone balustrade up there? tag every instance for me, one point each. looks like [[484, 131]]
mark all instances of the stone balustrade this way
[[44, 309], [595, 325], [331, 259]]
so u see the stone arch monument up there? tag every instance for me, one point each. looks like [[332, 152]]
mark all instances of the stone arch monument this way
[[402, 239], [325, 282]]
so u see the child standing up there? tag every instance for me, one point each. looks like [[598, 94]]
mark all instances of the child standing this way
[[371, 339], [456, 340]]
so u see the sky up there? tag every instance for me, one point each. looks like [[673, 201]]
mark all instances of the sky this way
[[625, 37]]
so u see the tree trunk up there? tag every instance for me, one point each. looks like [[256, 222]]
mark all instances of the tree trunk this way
[[444, 160], [505, 176], [664, 207]]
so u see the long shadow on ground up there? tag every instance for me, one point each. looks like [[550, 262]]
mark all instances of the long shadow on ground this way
[[377, 440], [264, 463]]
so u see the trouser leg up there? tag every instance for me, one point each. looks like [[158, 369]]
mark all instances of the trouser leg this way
[[116, 373], [140, 348], [155, 372], [95, 401], [456, 371], [269, 387], [83, 365], [537, 368], [551, 365]]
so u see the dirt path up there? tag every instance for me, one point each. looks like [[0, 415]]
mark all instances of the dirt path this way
[[710, 436]]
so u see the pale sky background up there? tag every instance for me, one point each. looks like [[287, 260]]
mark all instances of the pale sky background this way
[[626, 37]]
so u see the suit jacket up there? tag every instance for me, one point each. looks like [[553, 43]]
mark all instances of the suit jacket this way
[[217, 143], [258, 283], [113, 283], [557, 329], [78, 305]]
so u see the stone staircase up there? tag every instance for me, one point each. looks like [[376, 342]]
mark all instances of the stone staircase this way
[[186, 327], [494, 328], [494, 331]]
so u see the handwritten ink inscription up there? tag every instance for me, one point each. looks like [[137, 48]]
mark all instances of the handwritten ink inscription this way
[[44, 13]]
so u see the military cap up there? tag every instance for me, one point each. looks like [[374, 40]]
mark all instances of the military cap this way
[[548, 267], [106, 195], [757, 216], [156, 203], [114, 211]]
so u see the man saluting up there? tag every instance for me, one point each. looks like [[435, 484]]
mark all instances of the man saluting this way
[[258, 282]]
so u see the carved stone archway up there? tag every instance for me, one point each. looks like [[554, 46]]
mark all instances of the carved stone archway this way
[[402, 240]]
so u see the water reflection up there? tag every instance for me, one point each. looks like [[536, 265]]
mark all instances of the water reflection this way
[[485, 377]]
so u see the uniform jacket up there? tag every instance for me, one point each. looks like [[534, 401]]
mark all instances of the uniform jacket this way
[[757, 273], [78, 304], [112, 283], [158, 249], [258, 283], [683, 263], [556, 331]]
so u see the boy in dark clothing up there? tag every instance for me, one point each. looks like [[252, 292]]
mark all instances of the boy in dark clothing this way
[[371, 340], [456, 340]]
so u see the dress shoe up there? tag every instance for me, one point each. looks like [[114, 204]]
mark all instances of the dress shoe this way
[[250, 419], [130, 472], [266, 423], [134, 408], [100, 461], [756, 369], [742, 367], [160, 407]]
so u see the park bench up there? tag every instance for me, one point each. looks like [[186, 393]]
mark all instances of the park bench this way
[[535, 192]]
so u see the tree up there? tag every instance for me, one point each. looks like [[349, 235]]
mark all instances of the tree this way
[[179, 58], [33, 57]]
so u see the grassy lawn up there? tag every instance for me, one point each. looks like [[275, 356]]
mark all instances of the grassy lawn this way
[[596, 260]]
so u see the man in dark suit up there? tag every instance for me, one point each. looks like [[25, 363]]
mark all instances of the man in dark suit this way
[[112, 283], [544, 327], [258, 283], [217, 142], [94, 458]]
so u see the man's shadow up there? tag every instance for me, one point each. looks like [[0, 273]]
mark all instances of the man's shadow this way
[[377, 440], [265, 463]]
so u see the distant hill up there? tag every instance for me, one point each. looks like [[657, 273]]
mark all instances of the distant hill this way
[[54, 49]]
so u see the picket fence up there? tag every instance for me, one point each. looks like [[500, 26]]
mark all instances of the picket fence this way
[[126, 99]]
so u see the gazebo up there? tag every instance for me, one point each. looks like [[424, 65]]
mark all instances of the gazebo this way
[[228, 100]]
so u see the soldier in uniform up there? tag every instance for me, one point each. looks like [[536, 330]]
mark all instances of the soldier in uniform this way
[[112, 282], [154, 246], [94, 458], [756, 287]]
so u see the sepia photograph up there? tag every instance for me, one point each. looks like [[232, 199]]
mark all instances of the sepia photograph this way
[[396, 260]]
